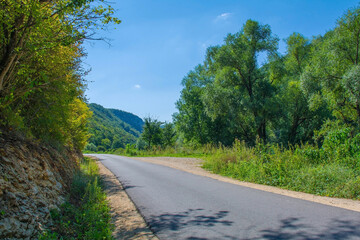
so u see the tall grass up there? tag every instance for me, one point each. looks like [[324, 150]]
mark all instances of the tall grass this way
[[86, 214], [328, 172]]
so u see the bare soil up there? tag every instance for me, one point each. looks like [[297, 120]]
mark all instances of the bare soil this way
[[193, 165], [128, 222]]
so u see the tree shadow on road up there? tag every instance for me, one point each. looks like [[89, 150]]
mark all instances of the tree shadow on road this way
[[191, 217], [291, 228]]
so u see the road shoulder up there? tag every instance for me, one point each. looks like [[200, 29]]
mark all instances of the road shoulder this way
[[193, 165], [128, 222]]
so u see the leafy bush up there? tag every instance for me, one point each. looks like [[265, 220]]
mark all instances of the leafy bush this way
[[100, 149], [90, 147], [130, 149]]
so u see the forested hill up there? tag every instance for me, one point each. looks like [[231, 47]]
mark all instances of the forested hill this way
[[129, 118], [112, 128]]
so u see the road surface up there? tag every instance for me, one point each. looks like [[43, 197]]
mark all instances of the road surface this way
[[180, 205]]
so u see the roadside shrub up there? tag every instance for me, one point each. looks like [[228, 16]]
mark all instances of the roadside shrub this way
[[90, 147], [351, 189], [130, 150], [100, 149], [140, 144], [310, 154]]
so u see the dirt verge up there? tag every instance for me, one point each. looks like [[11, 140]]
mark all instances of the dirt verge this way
[[128, 222], [193, 166]]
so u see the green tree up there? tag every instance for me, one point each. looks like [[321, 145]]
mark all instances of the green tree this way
[[192, 120], [241, 90], [140, 144], [90, 147], [297, 122], [117, 143], [168, 135], [41, 78], [152, 132], [332, 75]]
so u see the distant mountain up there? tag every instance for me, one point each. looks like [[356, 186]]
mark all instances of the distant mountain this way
[[112, 128], [129, 118]]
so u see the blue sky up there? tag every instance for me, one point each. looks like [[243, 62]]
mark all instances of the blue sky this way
[[160, 41]]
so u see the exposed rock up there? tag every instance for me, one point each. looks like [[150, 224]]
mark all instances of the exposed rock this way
[[33, 179]]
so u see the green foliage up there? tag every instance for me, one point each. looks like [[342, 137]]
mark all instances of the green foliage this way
[[285, 100], [192, 122], [232, 97], [41, 78], [351, 83], [333, 170], [106, 143], [111, 129], [90, 147], [100, 149], [241, 91], [130, 149], [86, 215], [327, 180], [140, 144], [332, 75], [129, 118], [152, 132], [168, 135]]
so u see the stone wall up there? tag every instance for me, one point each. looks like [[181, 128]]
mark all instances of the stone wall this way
[[33, 179]]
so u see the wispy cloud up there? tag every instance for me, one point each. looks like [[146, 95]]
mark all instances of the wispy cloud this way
[[223, 17], [137, 86]]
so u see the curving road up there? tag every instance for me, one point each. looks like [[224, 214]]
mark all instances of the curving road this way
[[180, 205]]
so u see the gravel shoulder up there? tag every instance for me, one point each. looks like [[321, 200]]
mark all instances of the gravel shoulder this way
[[193, 165], [128, 222]]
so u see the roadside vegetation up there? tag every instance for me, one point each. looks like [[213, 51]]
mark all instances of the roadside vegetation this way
[[42, 84], [333, 172], [290, 120], [85, 214], [42, 79]]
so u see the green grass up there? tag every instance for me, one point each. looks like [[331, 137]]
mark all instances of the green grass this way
[[303, 168], [86, 214]]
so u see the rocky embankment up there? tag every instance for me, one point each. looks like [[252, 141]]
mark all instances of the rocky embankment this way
[[33, 180]]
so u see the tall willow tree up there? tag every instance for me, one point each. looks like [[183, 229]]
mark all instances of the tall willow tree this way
[[333, 75], [192, 121], [297, 121], [242, 90]]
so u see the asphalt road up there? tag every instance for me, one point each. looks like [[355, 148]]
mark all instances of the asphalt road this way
[[180, 205]]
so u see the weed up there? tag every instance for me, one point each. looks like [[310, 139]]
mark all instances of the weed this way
[[86, 215], [332, 170]]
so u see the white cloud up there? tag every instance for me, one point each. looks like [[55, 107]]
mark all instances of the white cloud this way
[[222, 17], [137, 86]]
